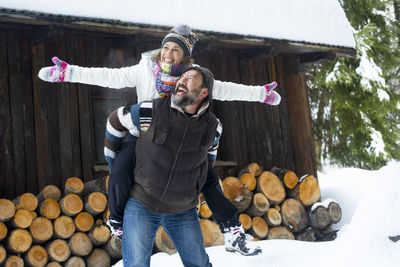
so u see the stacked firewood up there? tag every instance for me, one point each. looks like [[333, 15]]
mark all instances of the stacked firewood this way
[[277, 204], [274, 204], [57, 227], [68, 228]]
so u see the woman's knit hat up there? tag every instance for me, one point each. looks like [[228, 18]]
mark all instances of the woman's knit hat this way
[[183, 36]]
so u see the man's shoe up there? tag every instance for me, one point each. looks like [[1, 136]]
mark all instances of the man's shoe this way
[[236, 240], [115, 227]]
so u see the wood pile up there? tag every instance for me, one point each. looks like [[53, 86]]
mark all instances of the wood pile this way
[[68, 227], [274, 204], [58, 227], [277, 204]]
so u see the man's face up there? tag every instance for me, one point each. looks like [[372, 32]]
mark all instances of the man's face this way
[[187, 89]]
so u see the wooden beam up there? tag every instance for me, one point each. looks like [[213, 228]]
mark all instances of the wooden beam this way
[[17, 107], [222, 163], [6, 152], [41, 114], [300, 117], [317, 57]]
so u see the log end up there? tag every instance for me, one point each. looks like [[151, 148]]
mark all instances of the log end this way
[[3, 231], [309, 191], [74, 185], [19, 241], [261, 202], [307, 235], [64, 227], [294, 215], [99, 257], [41, 229], [335, 212], [246, 221], [273, 217], [319, 217], [71, 204], [80, 244], [84, 221], [37, 256], [100, 234], [290, 179], [260, 227], [271, 186], [96, 203], [280, 232], [7, 210], [114, 247], [14, 261], [28, 201], [50, 209], [59, 250], [51, 192], [3, 254], [75, 262], [249, 180], [254, 169], [22, 218]]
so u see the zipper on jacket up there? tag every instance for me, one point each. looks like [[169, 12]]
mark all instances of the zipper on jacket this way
[[172, 172]]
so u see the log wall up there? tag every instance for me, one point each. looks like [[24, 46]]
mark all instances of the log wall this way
[[48, 131]]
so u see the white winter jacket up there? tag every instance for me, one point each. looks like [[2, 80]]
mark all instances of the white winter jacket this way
[[141, 76]]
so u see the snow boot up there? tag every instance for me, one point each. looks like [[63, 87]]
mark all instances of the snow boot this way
[[115, 227], [236, 240]]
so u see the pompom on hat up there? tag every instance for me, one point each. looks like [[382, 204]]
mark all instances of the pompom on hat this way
[[183, 36]]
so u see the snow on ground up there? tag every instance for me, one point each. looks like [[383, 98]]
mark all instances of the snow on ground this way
[[370, 202]]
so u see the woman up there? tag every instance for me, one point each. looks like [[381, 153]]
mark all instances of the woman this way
[[160, 69]]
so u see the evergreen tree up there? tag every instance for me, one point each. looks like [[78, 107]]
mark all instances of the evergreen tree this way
[[355, 101]]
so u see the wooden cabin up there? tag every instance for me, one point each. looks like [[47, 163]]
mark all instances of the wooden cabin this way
[[50, 132]]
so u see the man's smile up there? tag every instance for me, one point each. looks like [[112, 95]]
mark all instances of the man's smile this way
[[181, 89]]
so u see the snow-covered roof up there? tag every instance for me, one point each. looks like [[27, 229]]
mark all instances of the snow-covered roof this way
[[320, 22]]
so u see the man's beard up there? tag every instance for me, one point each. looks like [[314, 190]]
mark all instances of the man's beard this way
[[186, 100]]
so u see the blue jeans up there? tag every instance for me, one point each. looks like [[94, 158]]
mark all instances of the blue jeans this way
[[140, 226]]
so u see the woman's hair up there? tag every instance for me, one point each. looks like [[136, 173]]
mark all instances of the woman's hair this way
[[185, 60]]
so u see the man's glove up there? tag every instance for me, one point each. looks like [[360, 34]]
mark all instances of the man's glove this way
[[60, 72], [270, 96]]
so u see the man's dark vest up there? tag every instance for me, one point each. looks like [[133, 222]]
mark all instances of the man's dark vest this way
[[171, 159]]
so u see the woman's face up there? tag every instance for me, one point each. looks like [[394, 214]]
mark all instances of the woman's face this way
[[171, 53]]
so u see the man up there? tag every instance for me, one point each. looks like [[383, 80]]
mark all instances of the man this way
[[171, 168]]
